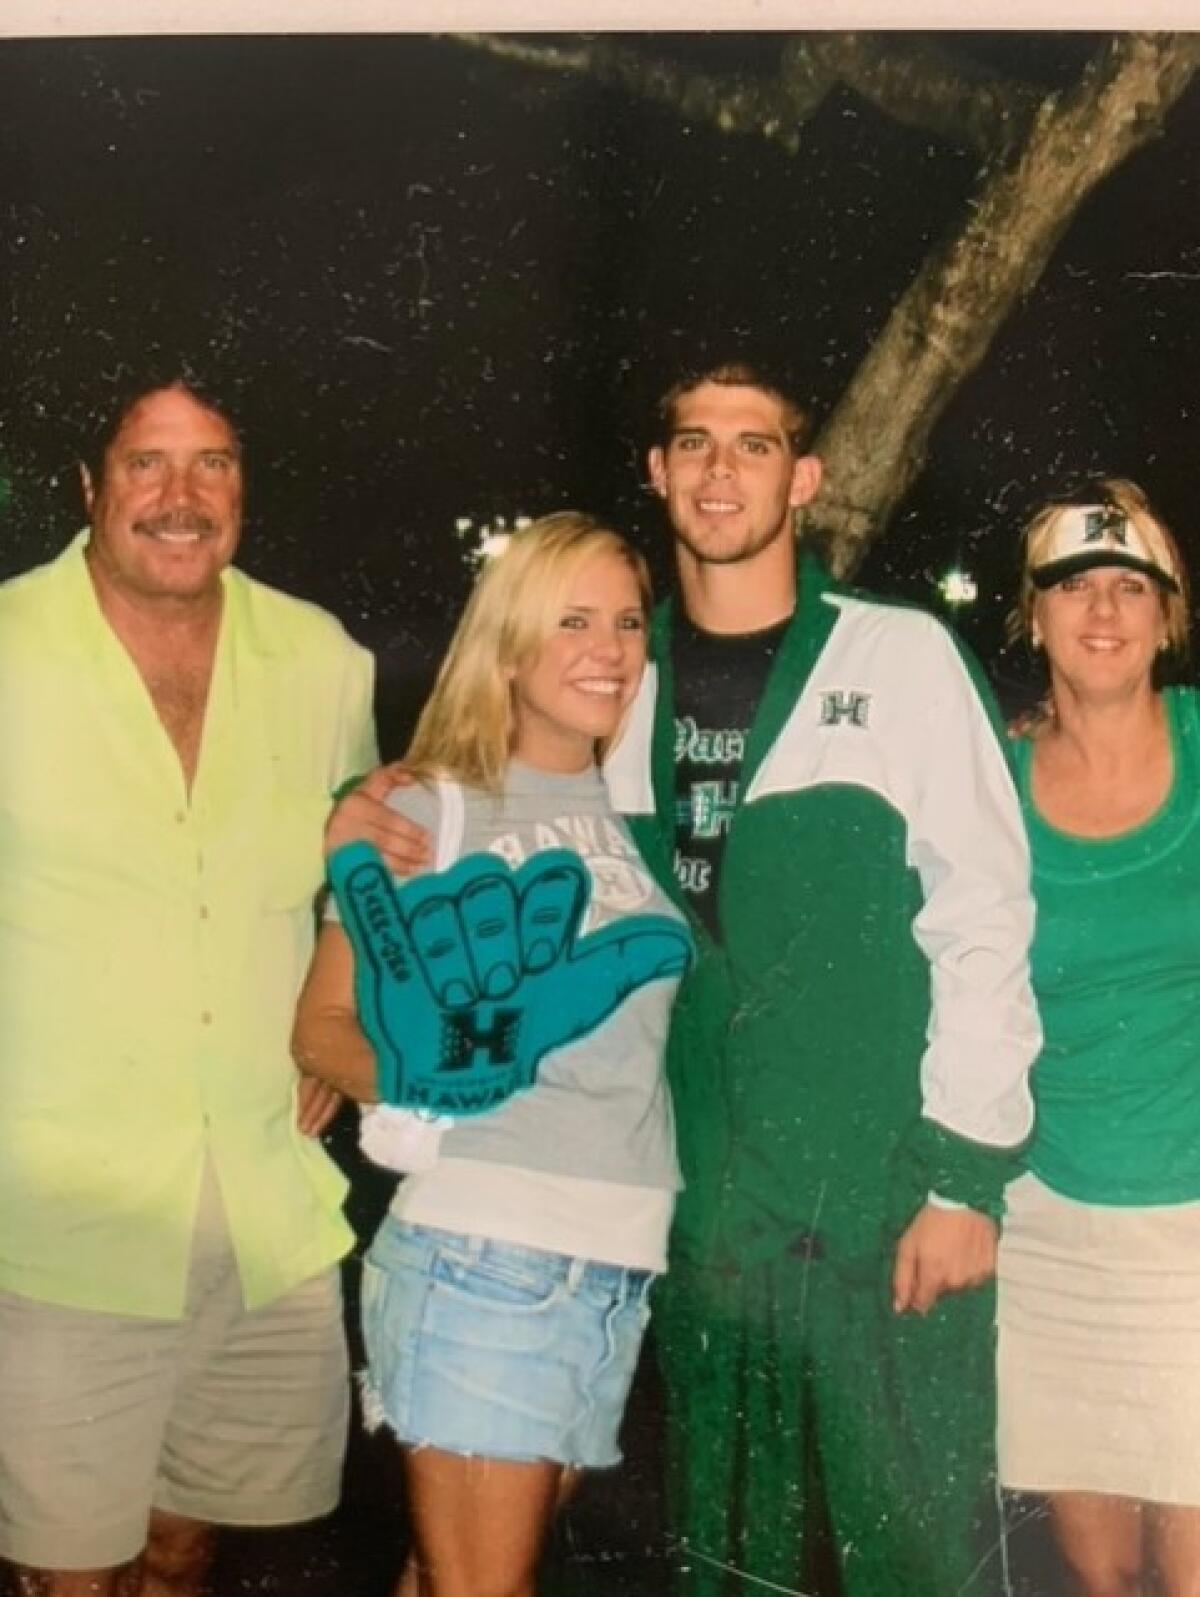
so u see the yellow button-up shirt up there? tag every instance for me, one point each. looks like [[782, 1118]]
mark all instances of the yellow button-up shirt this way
[[152, 944]]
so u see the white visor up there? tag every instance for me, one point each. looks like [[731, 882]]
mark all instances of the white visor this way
[[1080, 537]]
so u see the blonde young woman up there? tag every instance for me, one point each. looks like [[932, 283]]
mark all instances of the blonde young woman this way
[[1099, 1307], [505, 1295]]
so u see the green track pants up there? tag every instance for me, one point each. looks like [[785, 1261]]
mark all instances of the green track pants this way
[[796, 1400]]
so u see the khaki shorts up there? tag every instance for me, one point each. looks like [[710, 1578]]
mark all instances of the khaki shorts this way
[[225, 1416]]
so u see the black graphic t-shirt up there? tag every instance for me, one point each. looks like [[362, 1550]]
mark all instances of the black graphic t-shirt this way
[[719, 680]]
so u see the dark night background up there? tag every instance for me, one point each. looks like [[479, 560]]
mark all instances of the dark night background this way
[[435, 286]]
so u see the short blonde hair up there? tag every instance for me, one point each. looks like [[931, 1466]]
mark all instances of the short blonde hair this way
[[1127, 497], [467, 727]]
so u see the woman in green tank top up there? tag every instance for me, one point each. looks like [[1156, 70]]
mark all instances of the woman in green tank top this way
[[1099, 1311]]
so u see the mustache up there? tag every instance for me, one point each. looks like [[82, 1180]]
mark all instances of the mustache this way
[[176, 521]]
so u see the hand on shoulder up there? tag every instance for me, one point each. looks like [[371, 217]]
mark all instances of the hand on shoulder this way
[[364, 816]]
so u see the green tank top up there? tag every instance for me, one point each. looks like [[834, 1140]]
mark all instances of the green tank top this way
[[1116, 969]]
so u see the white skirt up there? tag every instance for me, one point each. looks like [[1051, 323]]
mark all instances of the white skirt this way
[[1099, 1347]]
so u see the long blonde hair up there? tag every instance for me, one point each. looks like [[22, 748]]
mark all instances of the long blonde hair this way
[[467, 727]]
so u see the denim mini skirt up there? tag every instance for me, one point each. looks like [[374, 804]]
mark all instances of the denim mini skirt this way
[[498, 1350]]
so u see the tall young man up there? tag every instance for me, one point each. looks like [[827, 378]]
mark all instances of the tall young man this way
[[818, 774]]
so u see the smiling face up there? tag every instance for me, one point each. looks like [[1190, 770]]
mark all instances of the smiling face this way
[[729, 476], [1101, 630], [166, 515], [585, 674]]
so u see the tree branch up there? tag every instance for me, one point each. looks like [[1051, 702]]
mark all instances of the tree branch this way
[[927, 86], [875, 442], [733, 104], [920, 85]]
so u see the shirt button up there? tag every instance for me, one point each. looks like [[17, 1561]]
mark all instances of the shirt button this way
[[206, 1017], [204, 912], [180, 817]]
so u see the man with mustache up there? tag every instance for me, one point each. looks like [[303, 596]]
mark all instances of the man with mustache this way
[[171, 1351]]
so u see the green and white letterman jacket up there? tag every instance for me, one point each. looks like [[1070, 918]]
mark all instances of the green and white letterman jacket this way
[[863, 1034]]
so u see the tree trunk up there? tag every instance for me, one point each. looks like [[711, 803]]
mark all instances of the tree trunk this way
[[875, 442]]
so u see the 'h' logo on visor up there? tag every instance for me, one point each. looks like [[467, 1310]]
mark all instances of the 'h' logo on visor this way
[[1108, 523]]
